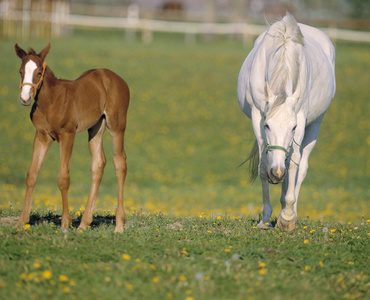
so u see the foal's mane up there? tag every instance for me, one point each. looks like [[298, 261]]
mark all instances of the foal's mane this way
[[284, 42], [31, 51]]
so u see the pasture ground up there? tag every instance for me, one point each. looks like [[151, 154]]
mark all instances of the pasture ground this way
[[191, 211]]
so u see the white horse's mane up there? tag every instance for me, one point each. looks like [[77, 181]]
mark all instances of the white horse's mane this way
[[284, 42]]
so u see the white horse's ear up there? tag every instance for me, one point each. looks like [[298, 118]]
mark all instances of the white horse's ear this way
[[293, 99], [289, 87], [269, 93], [297, 92]]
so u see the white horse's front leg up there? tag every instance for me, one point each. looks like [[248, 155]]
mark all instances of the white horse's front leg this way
[[288, 216]]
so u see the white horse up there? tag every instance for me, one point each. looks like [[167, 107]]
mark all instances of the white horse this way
[[285, 86]]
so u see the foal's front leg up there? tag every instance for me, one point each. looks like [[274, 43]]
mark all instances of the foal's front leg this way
[[41, 145], [66, 141]]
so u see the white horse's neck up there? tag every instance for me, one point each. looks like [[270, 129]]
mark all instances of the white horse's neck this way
[[284, 45]]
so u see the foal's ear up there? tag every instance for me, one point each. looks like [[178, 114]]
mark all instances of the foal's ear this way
[[19, 51], [44, 52]]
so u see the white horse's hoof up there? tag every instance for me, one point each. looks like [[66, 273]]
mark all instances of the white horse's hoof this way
[[286, 225], [264, 225]]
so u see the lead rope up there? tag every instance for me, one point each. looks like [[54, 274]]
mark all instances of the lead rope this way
[[299, 152]]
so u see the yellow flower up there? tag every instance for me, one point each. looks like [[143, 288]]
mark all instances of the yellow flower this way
[[126, 257], [189, 298], [333, 230], [27, 226], [156, 279], [23, 276], [184, 252], [63, 278], [321, 263], [351, 263], [209, 231], [262, 265], [129, 286], [78, 213], [262, 271], [47, 274], [36, 265], [153, 267], [227, 250], [305, 242], [66, 290], [182, 278], [307, 268], [219, 218]]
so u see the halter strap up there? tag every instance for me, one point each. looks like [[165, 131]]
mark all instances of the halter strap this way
[[273, 147], [37, 85]]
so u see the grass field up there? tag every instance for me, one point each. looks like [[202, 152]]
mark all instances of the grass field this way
[[191, 210]]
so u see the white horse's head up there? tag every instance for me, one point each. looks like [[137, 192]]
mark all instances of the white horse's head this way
[[278, 131]]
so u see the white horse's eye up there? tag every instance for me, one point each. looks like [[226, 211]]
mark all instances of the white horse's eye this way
[[267, 127], [294, 128]]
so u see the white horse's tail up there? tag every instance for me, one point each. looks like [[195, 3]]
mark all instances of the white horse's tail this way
[[254, 159]]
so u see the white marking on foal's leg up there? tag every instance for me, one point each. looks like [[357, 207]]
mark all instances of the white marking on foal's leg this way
[[29, 69]]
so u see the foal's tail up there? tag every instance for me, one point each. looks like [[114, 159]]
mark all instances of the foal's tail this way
[[253, 162]]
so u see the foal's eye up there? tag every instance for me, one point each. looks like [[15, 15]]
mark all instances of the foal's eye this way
[[39, 74], [294, 127], [267, 127]]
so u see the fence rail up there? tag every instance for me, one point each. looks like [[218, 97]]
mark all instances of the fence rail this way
[[148, 26], [61, 20]]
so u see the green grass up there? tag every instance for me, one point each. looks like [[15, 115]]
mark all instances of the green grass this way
[[185, 138], [164, 257]]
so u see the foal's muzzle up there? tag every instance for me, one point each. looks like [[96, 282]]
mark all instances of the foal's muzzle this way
[[26, 102]]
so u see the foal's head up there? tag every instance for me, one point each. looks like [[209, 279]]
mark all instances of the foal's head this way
[[32, 72]]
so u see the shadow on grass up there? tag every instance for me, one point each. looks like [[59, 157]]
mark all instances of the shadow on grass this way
[[50, 217]]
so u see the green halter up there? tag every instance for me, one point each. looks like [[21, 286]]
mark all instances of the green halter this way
[[270, 148]]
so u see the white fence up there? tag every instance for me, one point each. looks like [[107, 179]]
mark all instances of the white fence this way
[[30, 23], [148, 26]]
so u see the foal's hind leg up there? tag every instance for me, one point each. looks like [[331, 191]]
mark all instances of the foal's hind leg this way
[[121, 171], [97, 169]]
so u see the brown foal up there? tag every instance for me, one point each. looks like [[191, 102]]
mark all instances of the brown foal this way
[[98, 99]]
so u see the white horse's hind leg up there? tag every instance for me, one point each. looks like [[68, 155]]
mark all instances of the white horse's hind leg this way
[[266, 205]]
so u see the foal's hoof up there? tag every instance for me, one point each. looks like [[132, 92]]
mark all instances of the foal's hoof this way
[[264, 225], [286, 225], [119, 229]]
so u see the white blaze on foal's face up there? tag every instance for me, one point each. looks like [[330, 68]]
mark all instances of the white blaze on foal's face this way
[[26, 95]]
